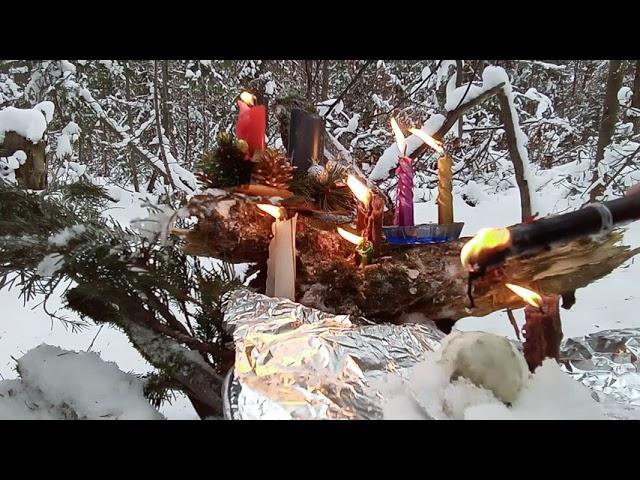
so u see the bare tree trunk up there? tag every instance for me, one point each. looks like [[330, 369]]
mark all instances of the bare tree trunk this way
[[459, 84], [167, 116], [308, 68], [608, 121], [514, 153], [187, 146], [33, 174], [324, 93], [132, 162], [156, 104], [635, 100]]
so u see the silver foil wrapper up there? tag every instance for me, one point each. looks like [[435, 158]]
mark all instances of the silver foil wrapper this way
[[607, 362], [295, 362]]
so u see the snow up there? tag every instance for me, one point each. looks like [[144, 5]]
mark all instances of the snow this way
[[50, 264], [61, 238], [67, 66], [270, 87], [433, 388], [65, 384], [624, 96], [324, 106], [544, 102], [29, 123], [352, 126], [63, 148], [9, 164], [46, 108], [455, 97], [72, 129]]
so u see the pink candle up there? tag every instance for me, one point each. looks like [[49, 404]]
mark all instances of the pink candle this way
[[404, 193], [404, 196]]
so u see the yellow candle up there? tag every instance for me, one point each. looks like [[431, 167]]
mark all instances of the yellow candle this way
[[445, 187]]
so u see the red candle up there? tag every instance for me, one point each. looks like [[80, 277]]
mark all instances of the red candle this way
[[251, 124], [542, 328], [370, 212]]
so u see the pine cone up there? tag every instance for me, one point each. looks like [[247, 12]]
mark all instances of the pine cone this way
[[273, 170]]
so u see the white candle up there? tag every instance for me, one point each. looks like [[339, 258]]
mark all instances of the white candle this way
[[281, 264]]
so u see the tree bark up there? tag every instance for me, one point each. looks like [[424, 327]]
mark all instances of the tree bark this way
[[156, 106], [635, 99], [324, 93], [514, 153], [132, 163], [458, 84], [33, 174], [608, 121], [428, 279]]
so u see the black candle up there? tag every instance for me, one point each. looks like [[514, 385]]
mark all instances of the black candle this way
[[306, 139]]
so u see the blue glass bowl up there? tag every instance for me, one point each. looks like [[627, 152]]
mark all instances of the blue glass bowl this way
[[424, 234]]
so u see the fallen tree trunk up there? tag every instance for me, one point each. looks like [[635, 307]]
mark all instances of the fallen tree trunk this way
[[429, 279]]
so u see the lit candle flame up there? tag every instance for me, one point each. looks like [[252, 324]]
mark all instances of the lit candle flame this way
[[529, 296], [485, 239], [350, 237], [248, 98], [275, 212], [359, 189], [399, 136], [429, 140]]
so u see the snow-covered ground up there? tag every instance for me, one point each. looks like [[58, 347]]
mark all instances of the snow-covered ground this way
[[608, 303]]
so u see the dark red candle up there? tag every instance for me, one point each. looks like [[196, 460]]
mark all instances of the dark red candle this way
[[542, 328], [251, 126]]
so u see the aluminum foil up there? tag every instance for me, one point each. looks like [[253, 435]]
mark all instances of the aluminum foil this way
[[294, 362], [607, 362]]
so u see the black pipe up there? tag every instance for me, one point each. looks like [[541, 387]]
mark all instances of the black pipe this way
[[543, 233]]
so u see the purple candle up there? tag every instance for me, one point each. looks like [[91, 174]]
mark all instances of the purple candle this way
[[404, 194]]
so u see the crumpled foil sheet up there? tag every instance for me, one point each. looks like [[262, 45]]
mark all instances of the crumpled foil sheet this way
[[295, 362], [607, 363]]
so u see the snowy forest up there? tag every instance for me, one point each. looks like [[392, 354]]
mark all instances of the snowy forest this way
[[165, 255]]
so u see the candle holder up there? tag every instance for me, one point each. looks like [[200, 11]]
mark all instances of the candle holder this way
[[424, 234]]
